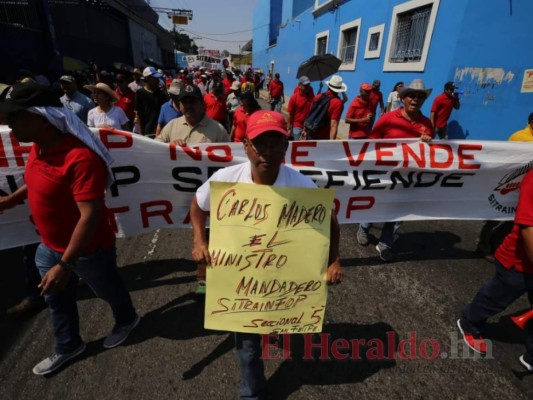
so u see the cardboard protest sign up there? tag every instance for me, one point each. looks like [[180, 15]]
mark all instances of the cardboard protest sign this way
[[269, 251]]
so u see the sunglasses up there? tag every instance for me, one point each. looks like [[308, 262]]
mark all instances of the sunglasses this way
[[420, 96], [262, 148]]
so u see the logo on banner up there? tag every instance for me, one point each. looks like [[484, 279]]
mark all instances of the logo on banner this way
[[509, 183]]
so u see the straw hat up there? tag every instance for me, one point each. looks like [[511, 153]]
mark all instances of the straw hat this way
[[336, 84], [106, 89], [417, 85]]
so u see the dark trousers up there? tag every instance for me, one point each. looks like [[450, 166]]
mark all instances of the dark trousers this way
[[99, 270], [500, 292], [249, 351], [33, 278]]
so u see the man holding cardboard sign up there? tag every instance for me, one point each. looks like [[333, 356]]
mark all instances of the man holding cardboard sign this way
[[265, 145]]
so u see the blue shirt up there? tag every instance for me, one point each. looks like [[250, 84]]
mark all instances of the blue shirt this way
[[168, 113], [79, 104]]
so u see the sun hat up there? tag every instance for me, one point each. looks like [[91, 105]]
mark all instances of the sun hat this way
[[336, 84], [106, 89], [263, 121], [30, 94], [175, 87], [67, 78], [417, 85]]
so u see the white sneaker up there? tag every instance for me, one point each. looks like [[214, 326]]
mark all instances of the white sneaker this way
[[55, 361]]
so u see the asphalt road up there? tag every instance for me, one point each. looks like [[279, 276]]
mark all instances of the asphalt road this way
[[170, 356]]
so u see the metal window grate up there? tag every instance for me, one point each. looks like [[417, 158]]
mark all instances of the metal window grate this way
[[349, 38], [322, 45], [374, 41], [20, 14], [411, 29]]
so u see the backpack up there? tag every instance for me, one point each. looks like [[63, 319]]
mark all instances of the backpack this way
[[317, 116]]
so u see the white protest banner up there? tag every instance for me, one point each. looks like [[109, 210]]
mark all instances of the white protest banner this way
[[375, 181]]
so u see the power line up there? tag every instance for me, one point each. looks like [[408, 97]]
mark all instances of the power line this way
[[229, 33], [214, 40]]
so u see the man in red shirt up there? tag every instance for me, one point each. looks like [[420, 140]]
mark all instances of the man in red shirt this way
[[215, 104], [126, 97], [336, 106], [66, 177], [376, 97], [442, 109], [513, 277], [360, 114], [299, 106], [276, 96], [403, 123]]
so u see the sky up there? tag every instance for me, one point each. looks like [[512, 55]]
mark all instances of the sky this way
[[216, 24]]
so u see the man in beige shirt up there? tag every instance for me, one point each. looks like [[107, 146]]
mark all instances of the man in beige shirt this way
[[194, 126]]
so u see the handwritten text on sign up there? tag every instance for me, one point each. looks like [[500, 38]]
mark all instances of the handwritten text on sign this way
[[269, 250]]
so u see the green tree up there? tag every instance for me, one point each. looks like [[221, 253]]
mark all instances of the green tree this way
[[182, 42]]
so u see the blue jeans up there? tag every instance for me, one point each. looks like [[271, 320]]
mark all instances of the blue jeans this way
[[32, 273], [500, 292], [275, 104], [388, 232], [99, 270], [253, 380], [296, 133]]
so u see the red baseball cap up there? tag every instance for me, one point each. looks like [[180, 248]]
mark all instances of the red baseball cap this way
[[263, 121], [365, 86]]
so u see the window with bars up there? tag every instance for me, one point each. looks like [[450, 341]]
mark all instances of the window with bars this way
[[373, 43], [322, 45], [410, 34], [20, 14], [349, 39]]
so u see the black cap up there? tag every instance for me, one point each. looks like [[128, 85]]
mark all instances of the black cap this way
[[449, 86], [29, 94], [190, 91]]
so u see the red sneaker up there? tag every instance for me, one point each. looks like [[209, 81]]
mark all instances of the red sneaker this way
[[473, 340]]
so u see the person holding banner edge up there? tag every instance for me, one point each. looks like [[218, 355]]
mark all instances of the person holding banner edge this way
[[265, 145], [65, 179]]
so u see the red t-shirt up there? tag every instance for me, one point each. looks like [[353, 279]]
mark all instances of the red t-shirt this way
[[442, 107], [376, 97], [127, 103], [276, 88], [226, 82], [215, 107], [394, 125], [334, 114], [299, 106], [357, 110], [57, 178], [240, 121], [511, 252]]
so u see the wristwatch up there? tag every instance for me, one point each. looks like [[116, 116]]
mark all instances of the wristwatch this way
[[68, 266]]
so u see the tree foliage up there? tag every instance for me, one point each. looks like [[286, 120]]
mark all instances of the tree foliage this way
[[182, 42]]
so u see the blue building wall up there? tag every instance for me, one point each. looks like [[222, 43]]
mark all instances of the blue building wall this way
[[481, 45]]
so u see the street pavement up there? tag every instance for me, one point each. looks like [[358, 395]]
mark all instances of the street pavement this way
[[408, 307], [418, 296]]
